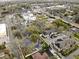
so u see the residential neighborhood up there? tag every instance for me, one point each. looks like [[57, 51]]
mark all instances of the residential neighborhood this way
[[39, 29]]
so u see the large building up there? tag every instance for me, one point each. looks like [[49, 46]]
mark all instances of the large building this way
[[3, 34]]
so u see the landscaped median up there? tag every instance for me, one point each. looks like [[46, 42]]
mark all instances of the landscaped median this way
[[59, 23], [76, 35]]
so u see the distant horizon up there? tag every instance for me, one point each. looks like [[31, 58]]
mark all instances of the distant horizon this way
[[40, 0], [19, 1]]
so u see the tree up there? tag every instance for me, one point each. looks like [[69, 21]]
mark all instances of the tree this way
[[45, 46], [2, 46], [13, 28], [76, 18], [33, 29], [42, 17], [17, 34], [59, 23], [76, 35], [49, 25], [27, 6], [7, 52], [34, 37], [27, 50]]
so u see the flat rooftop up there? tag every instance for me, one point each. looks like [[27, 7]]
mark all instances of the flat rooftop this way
[[3, 34], [2, 29]]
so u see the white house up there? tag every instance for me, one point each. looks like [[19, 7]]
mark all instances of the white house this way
[[28, 16]]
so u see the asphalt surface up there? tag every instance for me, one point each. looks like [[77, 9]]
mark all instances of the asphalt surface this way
[[13, 44]]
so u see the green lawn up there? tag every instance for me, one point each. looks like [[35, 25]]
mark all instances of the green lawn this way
[[61, 23], [76, 36], [70, 50], [77, 57]]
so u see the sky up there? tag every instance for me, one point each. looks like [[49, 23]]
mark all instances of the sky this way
[[40, 0]]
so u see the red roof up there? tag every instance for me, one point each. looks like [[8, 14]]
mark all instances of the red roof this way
[[39, 56]]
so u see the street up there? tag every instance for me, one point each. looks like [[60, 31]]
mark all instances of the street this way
[[13, 45]]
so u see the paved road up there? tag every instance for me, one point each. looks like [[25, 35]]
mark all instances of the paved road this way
[[71, 23], [53, 51], [14, 46]]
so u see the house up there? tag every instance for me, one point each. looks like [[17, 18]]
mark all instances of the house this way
[[28, 16], [64, 43], [39, 56], [60, 41]]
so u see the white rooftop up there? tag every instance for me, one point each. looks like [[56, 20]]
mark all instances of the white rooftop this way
[[28, 16], [3, 35], [2, 29]]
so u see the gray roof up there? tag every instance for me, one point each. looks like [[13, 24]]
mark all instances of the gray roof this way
[[50, 31]]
